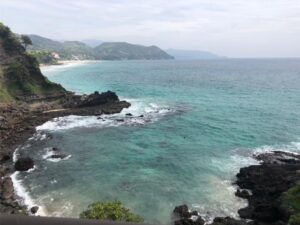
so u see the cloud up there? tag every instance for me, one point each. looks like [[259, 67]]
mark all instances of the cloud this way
[[228, 27]]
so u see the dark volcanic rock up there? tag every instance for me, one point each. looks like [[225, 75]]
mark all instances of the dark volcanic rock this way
[[182, 211], [278, 172], [98, 99], [185, 221], [228, 221], [242, 193], [24, 164], [58, 156], [129, 114], [34, 209]]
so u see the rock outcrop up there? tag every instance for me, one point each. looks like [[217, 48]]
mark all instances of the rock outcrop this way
[[24, 164]]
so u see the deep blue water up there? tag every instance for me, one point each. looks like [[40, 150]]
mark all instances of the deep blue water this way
[[202, 121]]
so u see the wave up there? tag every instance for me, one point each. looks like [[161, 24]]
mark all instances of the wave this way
[[138, 114], [24, 196]]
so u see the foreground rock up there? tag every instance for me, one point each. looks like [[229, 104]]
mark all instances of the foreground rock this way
[[266, 187], [24, 164], [278, 172], [184, 217]]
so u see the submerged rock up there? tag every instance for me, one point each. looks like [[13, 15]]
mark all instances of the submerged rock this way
[[58, 156], [24, 164]]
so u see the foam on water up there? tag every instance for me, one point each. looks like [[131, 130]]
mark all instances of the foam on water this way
[[141, 113]]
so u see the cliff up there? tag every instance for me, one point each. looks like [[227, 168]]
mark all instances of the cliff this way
[[20, 76]]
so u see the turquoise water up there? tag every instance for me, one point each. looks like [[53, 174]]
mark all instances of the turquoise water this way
[[201, 122]]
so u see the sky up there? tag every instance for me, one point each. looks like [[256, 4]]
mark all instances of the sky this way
[[233, 28]]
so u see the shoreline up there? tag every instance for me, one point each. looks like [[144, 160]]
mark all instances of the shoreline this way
[[19, 124], [66, 64]]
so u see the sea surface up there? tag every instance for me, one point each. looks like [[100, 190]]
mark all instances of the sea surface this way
[[194, 125]]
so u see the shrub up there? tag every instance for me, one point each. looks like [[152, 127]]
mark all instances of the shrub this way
[[110, 211]]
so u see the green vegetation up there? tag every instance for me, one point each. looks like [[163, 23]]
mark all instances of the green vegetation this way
[[25, 41], [20, 75], [110, 211], [291, 201], [124, 51], [9, 41], [44, 57], [106, 51]]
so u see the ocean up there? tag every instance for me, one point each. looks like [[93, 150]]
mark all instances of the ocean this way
[[194, 125]]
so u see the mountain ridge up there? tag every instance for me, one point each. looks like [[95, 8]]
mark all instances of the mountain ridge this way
[[70, 50]]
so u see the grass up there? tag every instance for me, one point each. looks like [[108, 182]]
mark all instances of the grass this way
[[291, 200]]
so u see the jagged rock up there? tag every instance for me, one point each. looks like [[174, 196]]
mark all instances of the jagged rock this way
[[7, 188], [182, 211], [98, 99], [227, 221], [34, 209], [242, 193], [267, 182], [24, 164]]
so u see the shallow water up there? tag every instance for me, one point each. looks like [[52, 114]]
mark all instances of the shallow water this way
[[201, 122]]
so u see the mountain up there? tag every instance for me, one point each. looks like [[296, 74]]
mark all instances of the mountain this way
[[191, 54], [70, 50], [20, 76], [66, 50], [92, 42], [126, 51]]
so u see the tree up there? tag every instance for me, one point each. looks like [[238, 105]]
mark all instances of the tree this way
[[26, 41], [110, 211]]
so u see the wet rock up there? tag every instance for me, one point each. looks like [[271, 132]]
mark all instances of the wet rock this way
[[58, 156], [227, 221], [120, 120], [141, 116], [182, 211], [34, 209], [128, 114], [242, 193], [186, 221], [24, 164]]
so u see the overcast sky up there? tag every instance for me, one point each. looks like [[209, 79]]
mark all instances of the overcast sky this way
[[234, 28]]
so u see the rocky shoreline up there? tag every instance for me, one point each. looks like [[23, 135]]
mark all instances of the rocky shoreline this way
[[264, 185], [267, 188], [18, 123]]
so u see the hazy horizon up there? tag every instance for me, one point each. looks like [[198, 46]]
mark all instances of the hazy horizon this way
[[232, 28]]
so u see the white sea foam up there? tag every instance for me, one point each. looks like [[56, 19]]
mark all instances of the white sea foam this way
[[141, 113], [49, 153], [25, 198]]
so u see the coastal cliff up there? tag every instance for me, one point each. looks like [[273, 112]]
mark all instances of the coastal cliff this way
[[29, 99]]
